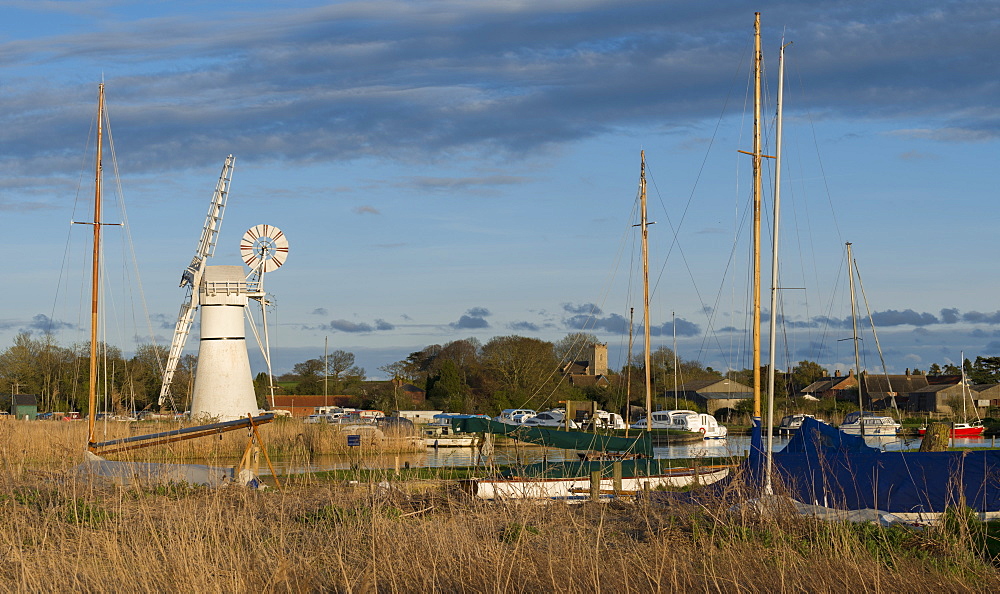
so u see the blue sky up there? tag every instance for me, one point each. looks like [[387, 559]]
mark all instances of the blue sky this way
[[454, 169]]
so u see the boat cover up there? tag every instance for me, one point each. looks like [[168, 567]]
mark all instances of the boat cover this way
[[556, 438], [823, 466]]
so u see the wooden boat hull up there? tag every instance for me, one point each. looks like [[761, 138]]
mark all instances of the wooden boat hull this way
[[528, 488], [449, 442]]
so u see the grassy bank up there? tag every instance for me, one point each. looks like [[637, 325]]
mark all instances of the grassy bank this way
[[424, 536], [419, 533]]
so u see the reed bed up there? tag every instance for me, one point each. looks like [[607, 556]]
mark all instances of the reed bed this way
[[59, 536], [44, 444], [424, 535]]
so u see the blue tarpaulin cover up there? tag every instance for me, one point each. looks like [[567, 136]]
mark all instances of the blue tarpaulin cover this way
[[823, 466]]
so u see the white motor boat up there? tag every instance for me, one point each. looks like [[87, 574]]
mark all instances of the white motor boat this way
[[551, 418], [870, 424], [792, 423], [515, 416], [603, 419], [686, 420]]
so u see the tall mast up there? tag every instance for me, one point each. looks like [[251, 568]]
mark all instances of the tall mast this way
[[95, 279], [756, 215], [965, 413], [645, 290], [628, 377], [673, 322], [326, 368], [857, 353], [773, 336]]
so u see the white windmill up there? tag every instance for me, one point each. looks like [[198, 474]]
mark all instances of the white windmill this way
[[223, 386]]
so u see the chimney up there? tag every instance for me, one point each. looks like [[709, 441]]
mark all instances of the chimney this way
[[836, 373]]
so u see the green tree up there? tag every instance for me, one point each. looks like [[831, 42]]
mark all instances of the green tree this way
[[807, 372], [309, 375], [572, 346], [986, 370], [144, 378], [446, 390], [521, 371], [951, 369]]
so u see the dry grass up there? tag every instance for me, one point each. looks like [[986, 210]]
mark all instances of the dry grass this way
[[42, 444], [61, 535]]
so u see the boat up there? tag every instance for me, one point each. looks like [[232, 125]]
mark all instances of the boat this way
[[660, 420], [862, 422], [973, 429], [577, 488], [831, 475], [828, 474], [695, 422], [966, 428], [870, 424], [515, 416], [439, 433], [791, 423], [633, 456], [685, 420], [133, 472], [603, 419], [555, 418]]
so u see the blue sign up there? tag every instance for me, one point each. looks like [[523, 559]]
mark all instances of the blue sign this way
[[353, 440]]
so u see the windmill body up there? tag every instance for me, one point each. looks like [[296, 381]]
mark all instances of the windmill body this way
[[223, 386]]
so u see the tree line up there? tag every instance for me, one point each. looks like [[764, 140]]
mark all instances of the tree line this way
[[60, 376], [463, 375]]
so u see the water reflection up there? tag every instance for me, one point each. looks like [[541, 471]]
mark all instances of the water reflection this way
[[733, 446]]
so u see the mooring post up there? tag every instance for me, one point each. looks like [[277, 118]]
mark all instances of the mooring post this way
[[595, 485], [616, 470], [397, 465]]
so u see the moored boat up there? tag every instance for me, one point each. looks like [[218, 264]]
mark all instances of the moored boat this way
[[869, 424], [517, 487], [792, 423], [973, 429], [685, 420]]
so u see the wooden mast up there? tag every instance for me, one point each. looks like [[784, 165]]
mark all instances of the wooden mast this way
[[757, 157], [645, 290], [95, 278]]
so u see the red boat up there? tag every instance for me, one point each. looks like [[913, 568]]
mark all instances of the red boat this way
[[974, 429]]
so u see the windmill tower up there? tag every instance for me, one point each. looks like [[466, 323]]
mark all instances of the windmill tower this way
[[223, 385]]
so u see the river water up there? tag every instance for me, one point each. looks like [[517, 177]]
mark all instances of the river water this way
[[733, 446]]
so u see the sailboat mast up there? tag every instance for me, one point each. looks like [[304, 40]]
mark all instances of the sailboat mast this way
[[773, 335], [645, 290], [857, 352], [673, 322], [756, 215], [95, 278], [628, 377], [965, 413]]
